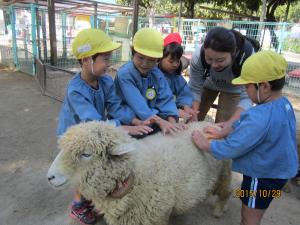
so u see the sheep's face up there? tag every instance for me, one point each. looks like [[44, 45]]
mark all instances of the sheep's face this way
[[92, 157]]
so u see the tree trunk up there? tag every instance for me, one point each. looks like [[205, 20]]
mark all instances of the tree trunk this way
[[190, 11]]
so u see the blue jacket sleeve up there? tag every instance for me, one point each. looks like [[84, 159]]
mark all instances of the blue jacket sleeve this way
[[82, 108], [113, 104], [248, 132], [132, 96], [165, 102], [184, 96]]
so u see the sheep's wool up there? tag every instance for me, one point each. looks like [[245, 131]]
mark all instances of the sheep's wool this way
[[170, 174]]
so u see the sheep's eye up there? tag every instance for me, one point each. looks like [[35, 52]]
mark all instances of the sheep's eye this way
[[86, 156]]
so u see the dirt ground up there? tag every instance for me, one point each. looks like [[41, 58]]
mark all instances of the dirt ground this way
[[28, 145]]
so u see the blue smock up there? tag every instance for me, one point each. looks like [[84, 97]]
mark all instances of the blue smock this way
[[181, 92], [263, 143], [83, 103], [132, 87]]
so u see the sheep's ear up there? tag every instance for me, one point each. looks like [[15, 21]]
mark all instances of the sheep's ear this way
[[122, 149]]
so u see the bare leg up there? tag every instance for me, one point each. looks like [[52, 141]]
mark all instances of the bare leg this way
[[251, 216]]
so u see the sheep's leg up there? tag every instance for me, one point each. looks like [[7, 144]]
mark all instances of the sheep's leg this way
[[223, 191]]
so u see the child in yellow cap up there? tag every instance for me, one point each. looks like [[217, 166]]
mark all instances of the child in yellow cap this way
[[90, 96], [262, 144], [143, 86]]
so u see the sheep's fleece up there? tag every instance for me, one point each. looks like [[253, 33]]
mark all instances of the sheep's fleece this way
[[139, 182]]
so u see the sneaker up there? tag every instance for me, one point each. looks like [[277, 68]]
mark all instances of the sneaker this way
[[84, 214]]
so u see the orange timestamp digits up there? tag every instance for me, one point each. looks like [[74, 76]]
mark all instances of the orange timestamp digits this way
[[261, 193]]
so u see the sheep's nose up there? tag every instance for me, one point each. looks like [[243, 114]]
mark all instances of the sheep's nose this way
[[51, 178]]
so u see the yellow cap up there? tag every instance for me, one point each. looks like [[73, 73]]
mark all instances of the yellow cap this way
[[262, 66], [91, 41], [148, 42]]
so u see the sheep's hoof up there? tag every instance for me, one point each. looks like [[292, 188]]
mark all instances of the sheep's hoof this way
[[219, 211], [287, 188]]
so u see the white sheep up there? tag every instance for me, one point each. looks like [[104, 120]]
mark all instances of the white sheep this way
[[139, 182]]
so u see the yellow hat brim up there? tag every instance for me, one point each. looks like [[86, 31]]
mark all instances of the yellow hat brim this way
[[148, 53], [240, 81], [110, 47]]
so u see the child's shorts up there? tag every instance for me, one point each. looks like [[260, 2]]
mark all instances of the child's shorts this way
[[257, 193]]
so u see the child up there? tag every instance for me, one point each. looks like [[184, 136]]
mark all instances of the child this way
[[171, 66], [142, 85], [262, 143], [90, 96]]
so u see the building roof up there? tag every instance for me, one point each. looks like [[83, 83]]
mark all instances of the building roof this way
[[73, 6]]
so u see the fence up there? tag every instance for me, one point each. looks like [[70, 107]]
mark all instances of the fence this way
[[28, 38], [52, 80]]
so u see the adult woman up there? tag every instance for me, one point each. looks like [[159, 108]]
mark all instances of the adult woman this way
[[213, 67]]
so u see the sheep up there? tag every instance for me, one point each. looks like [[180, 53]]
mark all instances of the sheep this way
[[144, 181]]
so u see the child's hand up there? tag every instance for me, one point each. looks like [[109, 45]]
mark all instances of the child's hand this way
[[151, 120], [184, 115], [216, 132], [200, 141], [212, 132], [170, 128], [193, 113], [137, 130]]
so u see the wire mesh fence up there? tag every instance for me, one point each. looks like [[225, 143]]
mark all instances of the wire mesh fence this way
[[28, 37]]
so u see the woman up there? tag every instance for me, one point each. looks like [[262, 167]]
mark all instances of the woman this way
[[212, 69]]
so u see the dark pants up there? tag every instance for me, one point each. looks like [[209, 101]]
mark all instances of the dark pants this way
[[227, 104]]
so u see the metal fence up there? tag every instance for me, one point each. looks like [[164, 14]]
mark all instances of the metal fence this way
[[52, 80], [28, 38]]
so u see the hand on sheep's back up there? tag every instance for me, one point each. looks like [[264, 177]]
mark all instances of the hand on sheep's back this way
[[202, 139]]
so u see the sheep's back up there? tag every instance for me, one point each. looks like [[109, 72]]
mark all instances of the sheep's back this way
[[174, 161]]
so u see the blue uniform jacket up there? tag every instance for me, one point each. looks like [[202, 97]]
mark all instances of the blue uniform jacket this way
[[82, 103], [263, 143], [181, 92], [132, 88]]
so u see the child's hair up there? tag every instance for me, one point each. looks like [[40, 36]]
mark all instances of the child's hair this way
[[276, 85], [93, 58], [175, 50]]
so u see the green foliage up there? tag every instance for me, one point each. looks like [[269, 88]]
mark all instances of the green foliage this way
[[292, 45], [191, 8], [294, 14]]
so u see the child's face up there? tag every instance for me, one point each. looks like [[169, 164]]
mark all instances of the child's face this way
[[100, 65], [217, 60], [251, 92], [169, 65], [143, 63], [260, 95]]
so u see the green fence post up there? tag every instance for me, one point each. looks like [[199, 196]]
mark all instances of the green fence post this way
[[14, 36], [281, 37], [93, 25], [107, 23], [33, 36], [64, 35]]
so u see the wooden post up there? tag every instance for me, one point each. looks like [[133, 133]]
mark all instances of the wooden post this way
[[95, 15], [135, 16], [52, 31]]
